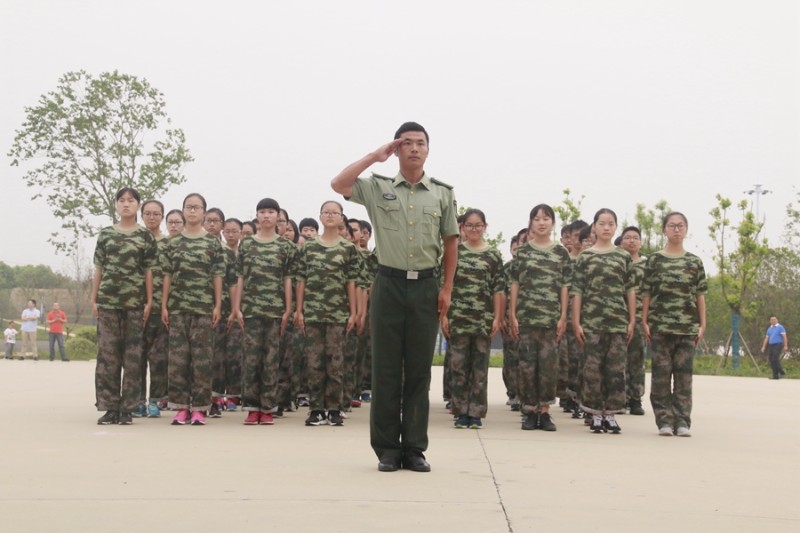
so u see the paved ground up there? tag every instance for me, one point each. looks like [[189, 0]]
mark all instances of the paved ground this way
[[59, 471]]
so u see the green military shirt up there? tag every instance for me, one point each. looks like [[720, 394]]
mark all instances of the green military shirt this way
[[541, 273], [192, 262], [326, 269], [409, 220], [603, 279], [479, 276], [124, 256], [673, 284], [264, 265]]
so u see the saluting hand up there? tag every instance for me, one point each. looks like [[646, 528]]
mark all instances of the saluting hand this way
[[385, 152]]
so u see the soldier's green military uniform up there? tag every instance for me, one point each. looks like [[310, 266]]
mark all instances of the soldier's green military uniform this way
[[603, 279], [264, 265], [326, 270], [192, 263], [634, 388], [541, 274], [673, 284], [227, 368], [479, 277], [123, 256], [410, 221], [156, 338]]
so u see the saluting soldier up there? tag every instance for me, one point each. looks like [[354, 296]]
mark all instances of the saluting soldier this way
[[415, 225]]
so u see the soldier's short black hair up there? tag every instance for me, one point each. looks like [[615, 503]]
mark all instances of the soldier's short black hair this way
[[308, 222], [411, 126]]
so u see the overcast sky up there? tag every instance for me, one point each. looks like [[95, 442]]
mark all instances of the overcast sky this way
[[624, 102]]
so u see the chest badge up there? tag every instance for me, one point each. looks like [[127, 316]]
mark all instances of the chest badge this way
[[390, 196]]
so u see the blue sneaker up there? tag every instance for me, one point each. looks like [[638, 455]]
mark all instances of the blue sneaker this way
[[152, 410], [462, 422], [140, 412], [366, 396], [475, 423]]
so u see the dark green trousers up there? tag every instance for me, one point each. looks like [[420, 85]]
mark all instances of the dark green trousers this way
[[404, 323]]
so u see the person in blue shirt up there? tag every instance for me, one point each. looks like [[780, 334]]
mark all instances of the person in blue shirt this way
[[775, 343]]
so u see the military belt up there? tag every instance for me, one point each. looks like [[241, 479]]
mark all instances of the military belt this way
[[406, 274]]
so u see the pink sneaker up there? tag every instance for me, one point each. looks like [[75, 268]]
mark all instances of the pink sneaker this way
[[266, 419], [180, 417], [252, 418], [198, 418]]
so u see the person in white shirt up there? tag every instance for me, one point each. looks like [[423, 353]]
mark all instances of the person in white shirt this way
[[30, 321]]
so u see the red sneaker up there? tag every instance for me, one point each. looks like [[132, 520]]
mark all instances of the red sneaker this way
[[181, 417], [198, 418], [252, 418], [266, 419]]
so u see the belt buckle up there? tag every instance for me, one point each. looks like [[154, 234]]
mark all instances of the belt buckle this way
[[412, 274]]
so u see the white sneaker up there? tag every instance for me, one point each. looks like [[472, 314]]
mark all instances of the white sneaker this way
[[665, 431], [683, 431]]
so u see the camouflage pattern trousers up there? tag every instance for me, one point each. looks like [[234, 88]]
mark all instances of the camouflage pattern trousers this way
[[154, 356], [226, 363], [511, 365], [262, 339], [469, 374], [324, 349], [575, 355], [349, 368], [286, 391], [604, 361], [634, 387], [117, 376], [562, 387], [537, 374], [446, 394], [190, 346], [671, 379]]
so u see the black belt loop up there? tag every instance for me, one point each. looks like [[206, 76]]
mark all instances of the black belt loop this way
[[411, 275]]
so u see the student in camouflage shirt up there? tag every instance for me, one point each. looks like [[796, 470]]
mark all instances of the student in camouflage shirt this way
[[631, 242], [476, 313], [603, 318], [262, 306], [674, 321], [156, 337], [122, 299], [193, 265], [511, 343], [232, 371], [540, 278], [327, 271], [364, 356]]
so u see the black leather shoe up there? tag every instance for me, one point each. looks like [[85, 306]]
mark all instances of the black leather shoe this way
[[388, 463], [416, 462]]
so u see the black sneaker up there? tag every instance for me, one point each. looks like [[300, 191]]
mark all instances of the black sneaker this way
[[335, 418], [635, 407], [545, 422], [529, 421], [316, 418], [125, 419], [596, 424], [610, 424], [215, 411], [111, 417], [577, 412]]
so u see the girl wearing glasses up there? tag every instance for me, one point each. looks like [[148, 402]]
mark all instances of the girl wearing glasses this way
[[673, 320], [175, 222], [193, 264], [476, 313], [540, 277]]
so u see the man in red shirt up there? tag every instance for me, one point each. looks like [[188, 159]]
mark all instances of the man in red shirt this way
[[55, 321]]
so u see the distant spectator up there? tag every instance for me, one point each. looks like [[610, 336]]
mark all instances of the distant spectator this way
[[10, 335], [55, 320], [778, 343], [30, 319]]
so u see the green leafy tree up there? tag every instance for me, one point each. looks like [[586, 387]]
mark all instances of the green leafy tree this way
[[568, 210], [792, 232], [90, 137], [39, 277], [7, 279], [737, 263], [493, 242], [649, 223]]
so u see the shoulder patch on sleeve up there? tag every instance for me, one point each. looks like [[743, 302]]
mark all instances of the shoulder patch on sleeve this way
[[443, 184], [375, 175]]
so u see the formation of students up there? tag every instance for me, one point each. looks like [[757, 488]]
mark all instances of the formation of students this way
[[268, 315]]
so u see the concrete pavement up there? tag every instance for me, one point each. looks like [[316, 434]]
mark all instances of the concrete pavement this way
[[59, 471]]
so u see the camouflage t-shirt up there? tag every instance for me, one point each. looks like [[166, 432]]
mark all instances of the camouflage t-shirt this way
[[263, 266], [158, 275], [124, 256], [638, 273], [369, 269], [326, 270], [540, 273], [603, 279], [229, 279], [193, 262], [673, 284], [479, 276]]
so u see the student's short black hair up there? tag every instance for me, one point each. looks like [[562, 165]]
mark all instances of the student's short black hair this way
[[308, 222], [133, 192], [218, 211], [586, 231], [566, 230], [461, 218], [365, 226], [632, 228], [248, 223], [235, 221], [618, 241], [151, 201], [296, 231], [176, 212], [578, 225], [268, 203], [197, 195], [411, 126]]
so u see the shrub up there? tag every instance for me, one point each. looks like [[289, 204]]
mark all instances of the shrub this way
[[80, 349], [90, 334]]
